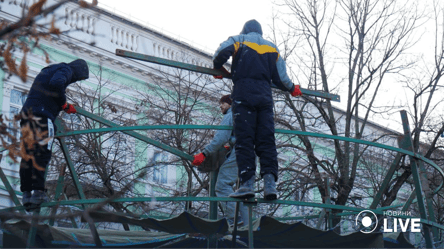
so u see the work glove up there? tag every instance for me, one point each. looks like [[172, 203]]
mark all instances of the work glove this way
[[198, 159], [296, 91], [68, 108], [222, 69]]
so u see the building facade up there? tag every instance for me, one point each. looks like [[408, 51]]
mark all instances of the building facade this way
[[94, 35]]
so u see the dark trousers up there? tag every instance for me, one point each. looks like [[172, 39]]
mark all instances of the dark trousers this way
[[254, 128], [32, 169]]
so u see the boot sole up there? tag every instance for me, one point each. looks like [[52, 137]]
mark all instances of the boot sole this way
[[31, 207], [271, 197]]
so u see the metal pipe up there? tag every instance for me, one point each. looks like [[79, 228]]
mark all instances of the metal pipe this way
[[204, 70]]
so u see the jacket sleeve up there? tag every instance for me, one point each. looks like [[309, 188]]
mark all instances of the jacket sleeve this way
[[280, 77], [221, 137], [57, 84], [226, 49]]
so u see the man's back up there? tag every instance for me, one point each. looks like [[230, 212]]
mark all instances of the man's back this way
[[47, 93], [254, 58]]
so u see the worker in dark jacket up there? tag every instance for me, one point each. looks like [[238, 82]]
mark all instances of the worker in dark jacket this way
[[256, 67], [45, 100]]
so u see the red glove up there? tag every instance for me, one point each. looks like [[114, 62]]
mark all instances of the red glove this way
[[68, 108], [222, 69], [198, 159], [296, 91], [227, 147]]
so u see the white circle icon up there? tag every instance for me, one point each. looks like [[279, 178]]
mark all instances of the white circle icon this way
[[366, 220]]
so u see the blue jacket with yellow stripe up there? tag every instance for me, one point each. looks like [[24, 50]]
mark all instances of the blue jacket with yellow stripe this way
[[253, 58]]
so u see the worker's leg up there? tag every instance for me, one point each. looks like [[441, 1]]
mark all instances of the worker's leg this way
[[244, 119], [226, 180], [26, 165], [265, 147], [25, 175], [42, 153], [265, 144], [42, 157]]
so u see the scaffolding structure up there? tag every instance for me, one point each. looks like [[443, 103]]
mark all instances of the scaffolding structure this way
[[422, 194]]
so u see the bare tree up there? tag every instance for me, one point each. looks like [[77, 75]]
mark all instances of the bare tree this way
[[425, 105], [352, 47], [178, 97]]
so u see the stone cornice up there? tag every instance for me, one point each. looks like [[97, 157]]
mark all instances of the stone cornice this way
[[102, 56]]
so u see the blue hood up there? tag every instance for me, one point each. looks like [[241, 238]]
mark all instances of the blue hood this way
[[79, 69], [251, 26]]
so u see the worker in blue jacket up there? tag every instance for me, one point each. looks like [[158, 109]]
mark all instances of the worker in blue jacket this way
[[228, 171], [256, 67], [45, 100]]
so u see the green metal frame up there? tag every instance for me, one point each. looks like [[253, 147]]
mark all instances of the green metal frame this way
[[386, 181], [417, 162], [204, 70], [423, 194], [68, 159], [132, 133], [279, 131]]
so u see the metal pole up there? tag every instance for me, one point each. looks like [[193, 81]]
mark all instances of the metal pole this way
[[59, 189], [73, 220], [213, 204], [134, 134], [204, 70], [212, 240], [328, 202], [33, 229], [236, 215], [409, 201], [419, 180], [320, 219], [74, 175], [386, 181], [428, 198], [250, 226]]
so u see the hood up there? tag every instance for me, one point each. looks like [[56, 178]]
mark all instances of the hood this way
[[80, 70], [251, 26]]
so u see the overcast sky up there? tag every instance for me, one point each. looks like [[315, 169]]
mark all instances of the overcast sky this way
[[204, 23]]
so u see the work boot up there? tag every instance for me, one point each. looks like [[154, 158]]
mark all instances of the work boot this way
[[26, 199], [270, 192], [245, 190], [39, 197]]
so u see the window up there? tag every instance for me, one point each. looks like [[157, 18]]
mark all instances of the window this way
[[17, 97], [17, 100], [160, 167]]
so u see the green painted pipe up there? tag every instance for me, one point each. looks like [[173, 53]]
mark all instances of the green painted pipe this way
[[280, 131], [204, 70]]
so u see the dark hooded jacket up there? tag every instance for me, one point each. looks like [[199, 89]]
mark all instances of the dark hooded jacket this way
[[47, 94], [254, 58]]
